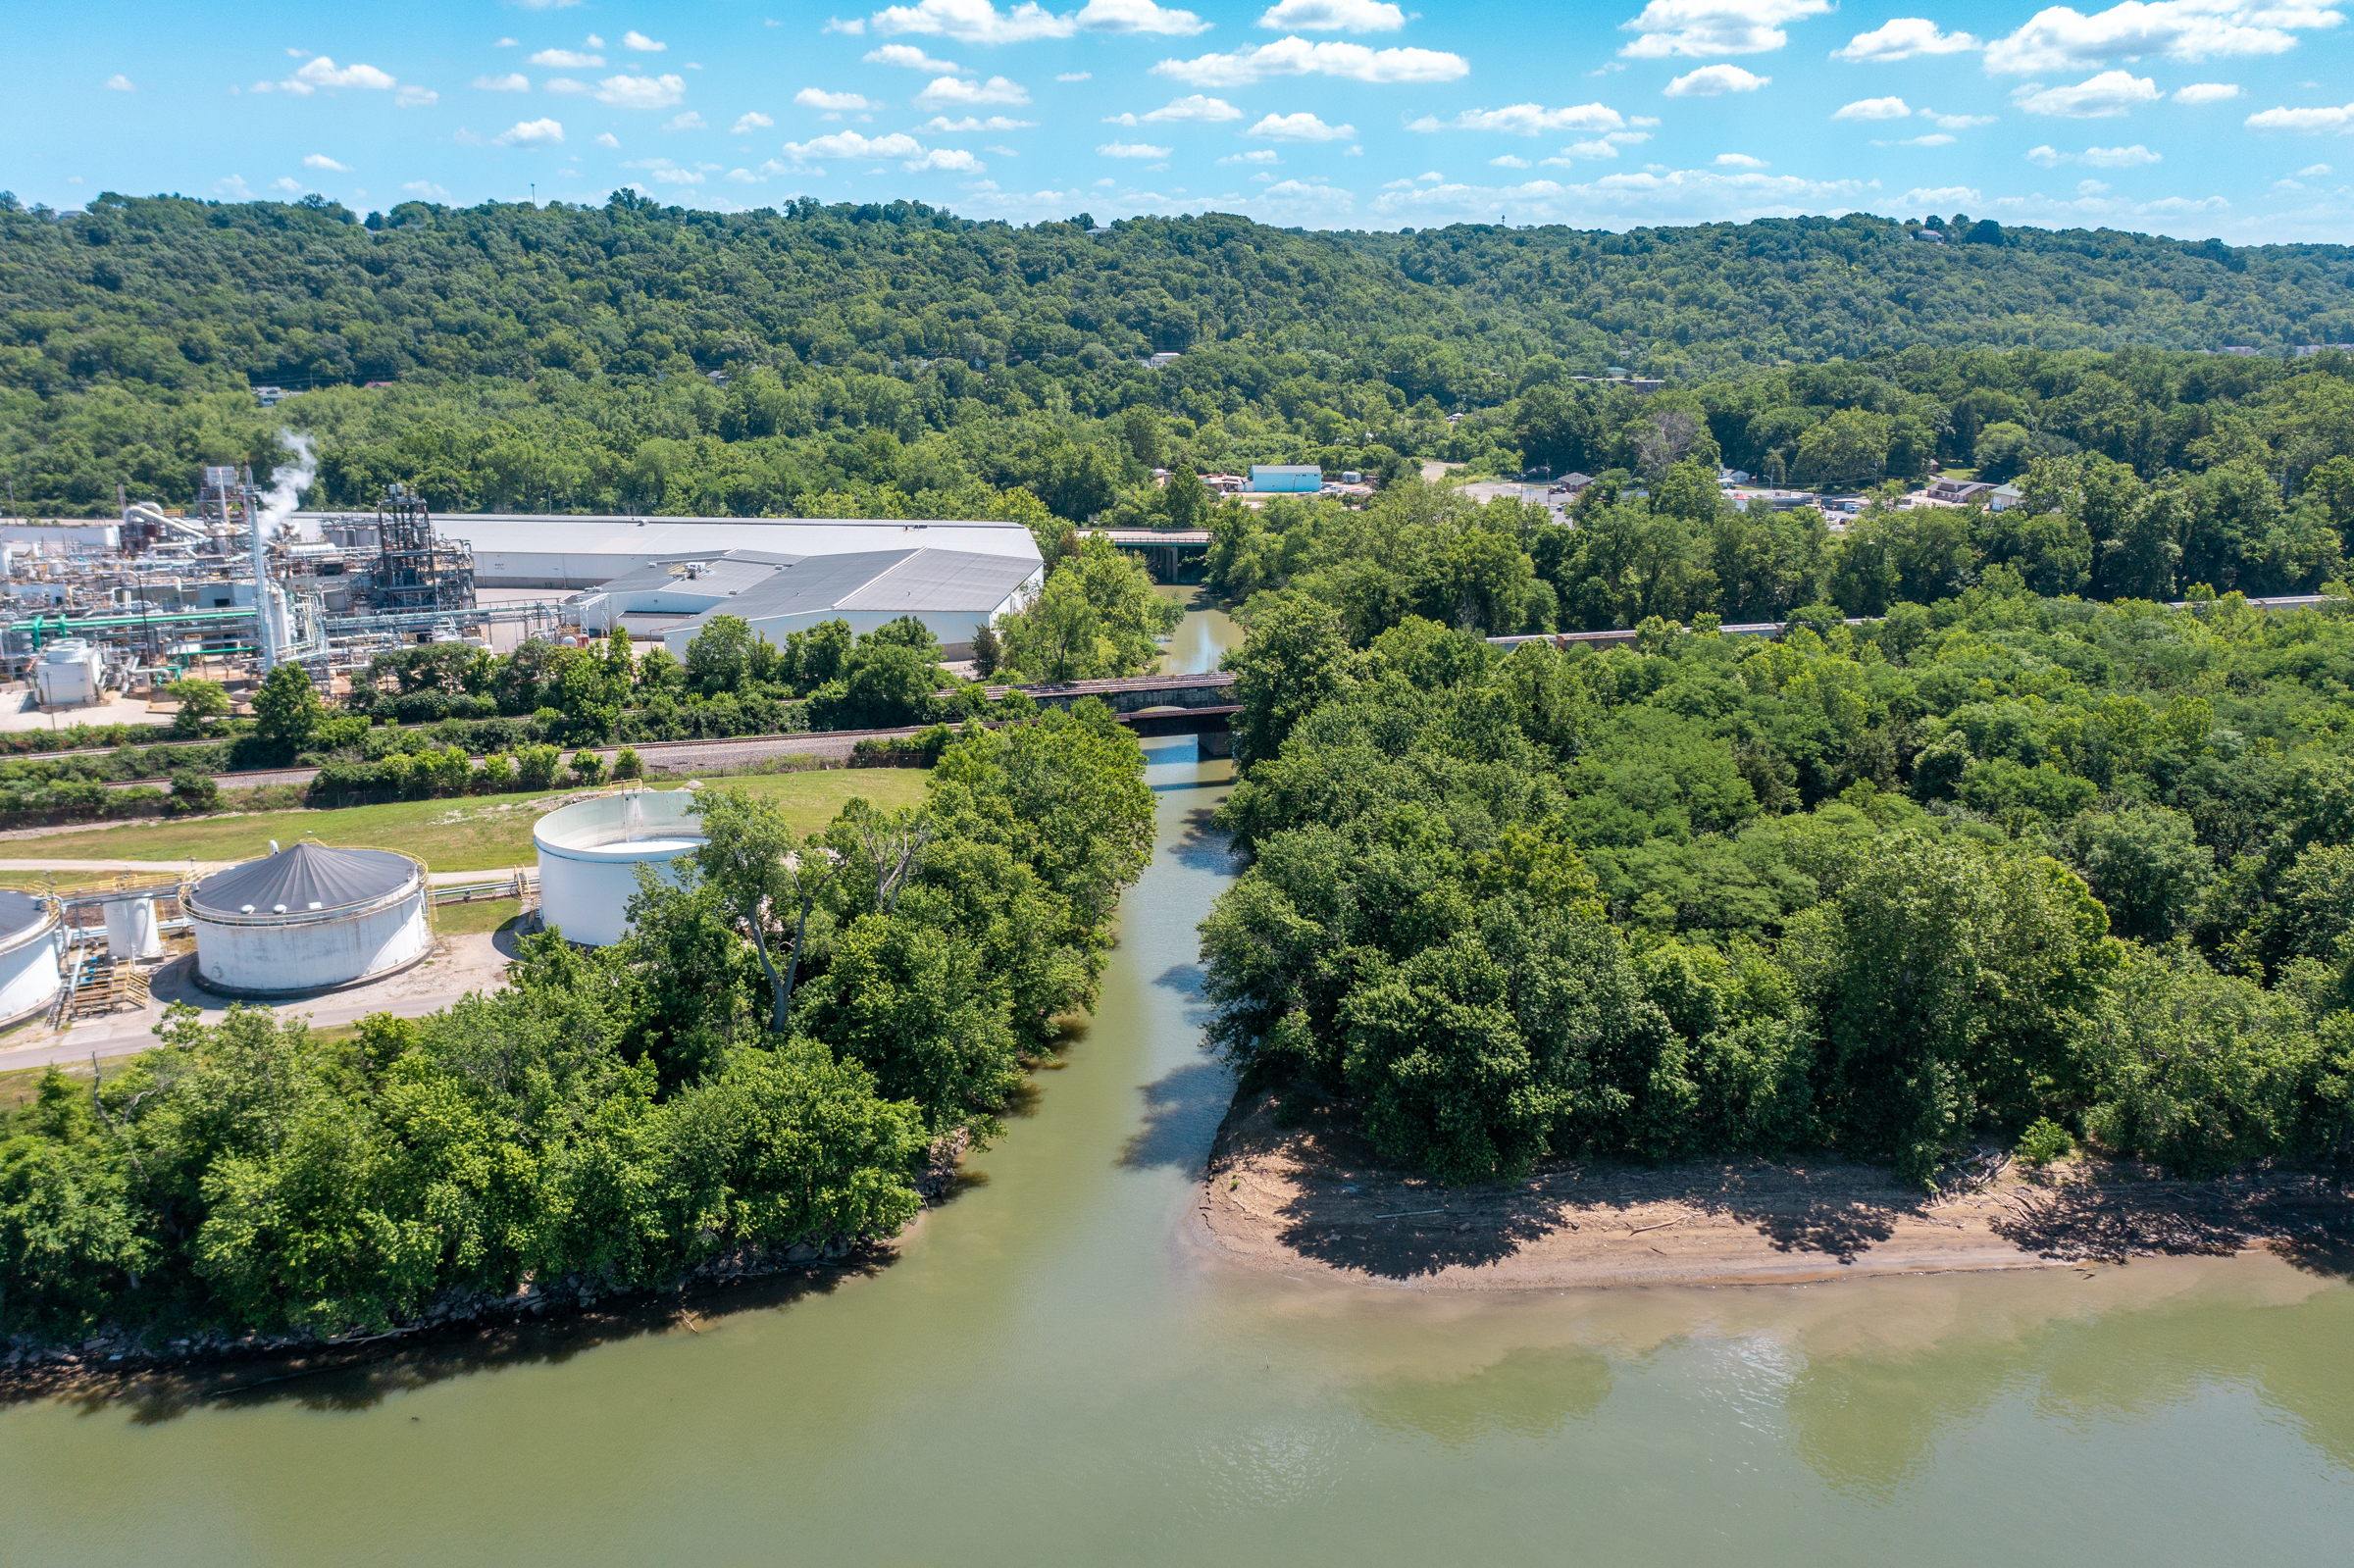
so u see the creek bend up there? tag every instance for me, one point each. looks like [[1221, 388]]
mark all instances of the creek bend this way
[[1048, 1372]]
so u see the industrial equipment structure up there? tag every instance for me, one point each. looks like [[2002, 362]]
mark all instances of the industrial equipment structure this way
[[590, 853], [307, 919]]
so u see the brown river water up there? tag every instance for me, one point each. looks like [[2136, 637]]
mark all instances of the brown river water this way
[[1051, 1372]]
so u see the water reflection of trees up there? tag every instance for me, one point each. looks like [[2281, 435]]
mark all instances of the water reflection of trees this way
[[1870, 1422], [1529, 1393]]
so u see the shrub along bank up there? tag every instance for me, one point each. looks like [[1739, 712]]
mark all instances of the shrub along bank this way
[[623, 1115]]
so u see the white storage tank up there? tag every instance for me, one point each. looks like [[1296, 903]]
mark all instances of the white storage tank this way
[[309, 918], [130, 929], [31, 939], [590, 853]]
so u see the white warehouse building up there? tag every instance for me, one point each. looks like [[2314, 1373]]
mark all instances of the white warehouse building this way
[[513, 550], [954, 592]]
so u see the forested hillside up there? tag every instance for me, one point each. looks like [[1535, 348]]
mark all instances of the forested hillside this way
[[896, 360]]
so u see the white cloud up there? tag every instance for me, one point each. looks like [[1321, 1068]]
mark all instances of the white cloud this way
[[2314, 170], [640, 92], [1297, 57], [2135, 157], [1508, 160], [2060, 38], [425, 188], [1710, 81], [2093, 187], [853, 26], [512, 82], [850, 144], [1957, 122], [319, 160], [531, 133], [949, 90], [1939, 195], [415, 97], [322, 72], [642, 44], [954, 159], [1259, 155], [909, 56], [1301, 127], [507, 43], [1132, 149], [120, 83], [2103, 97], [1874, 109], [1075, 76], [749, 119], [596, 42], [607, 139], [2203, 92], [1904, 38], [2047, 157], [1740, 159], [564, 85], [941, 124], [2185, 204], [234, 187], [2310, 121], [1619, 200], [975, 22], [1935, 138], [566, 60], [1704, 28], [1334, 16], [288, 184], [1590, 150], [838, 102], [688, 120], [1192, 109], [1137, 16], [1002, 152], [1527, 119]]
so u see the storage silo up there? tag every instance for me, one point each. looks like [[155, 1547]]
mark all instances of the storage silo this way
[[309, 918], [31, 938], [590, 853]]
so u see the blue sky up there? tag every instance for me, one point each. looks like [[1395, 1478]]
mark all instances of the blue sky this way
[[2181, 116]]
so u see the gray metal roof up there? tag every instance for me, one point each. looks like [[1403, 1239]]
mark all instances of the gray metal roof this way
[[19, 912], [722, 572], [942, 579], [302, 878]]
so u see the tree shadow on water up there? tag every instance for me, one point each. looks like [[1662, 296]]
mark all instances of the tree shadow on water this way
[[1203, 846], [356, 1378], [1182, 1112]]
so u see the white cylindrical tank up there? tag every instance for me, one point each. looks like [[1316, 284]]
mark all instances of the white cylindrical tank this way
[[309, 918], [31, 940], [130, 929], [590, 853]]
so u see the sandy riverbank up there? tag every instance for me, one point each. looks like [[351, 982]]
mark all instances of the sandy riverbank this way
[[1312, 1200]]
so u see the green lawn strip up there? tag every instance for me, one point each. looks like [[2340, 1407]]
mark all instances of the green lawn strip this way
[[477, 833], [472, 919]]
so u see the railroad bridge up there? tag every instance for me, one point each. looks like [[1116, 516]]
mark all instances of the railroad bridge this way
[[1153, 704]]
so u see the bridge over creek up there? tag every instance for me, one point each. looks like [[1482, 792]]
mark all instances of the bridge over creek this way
[[1153, 704]]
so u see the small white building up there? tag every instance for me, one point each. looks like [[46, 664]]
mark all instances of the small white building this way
[[70, 672]]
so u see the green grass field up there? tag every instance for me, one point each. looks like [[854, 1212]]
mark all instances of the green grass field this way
[[484, 833]]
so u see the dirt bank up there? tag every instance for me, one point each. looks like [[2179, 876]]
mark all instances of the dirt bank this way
[[1315, 1198]]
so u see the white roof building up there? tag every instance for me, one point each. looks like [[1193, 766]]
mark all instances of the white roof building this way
[[954, 592], [526, 551]]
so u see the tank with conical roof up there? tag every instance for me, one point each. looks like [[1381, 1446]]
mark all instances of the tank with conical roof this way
[[31, 939], [309, 918]]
